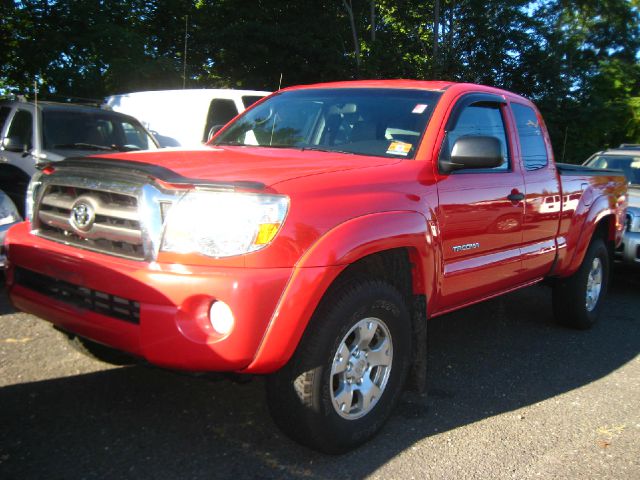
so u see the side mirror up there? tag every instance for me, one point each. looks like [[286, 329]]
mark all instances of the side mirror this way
[[213, 130], [13, 144], [473, 152]]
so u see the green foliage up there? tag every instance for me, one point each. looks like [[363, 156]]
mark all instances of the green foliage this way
[[578, 59]]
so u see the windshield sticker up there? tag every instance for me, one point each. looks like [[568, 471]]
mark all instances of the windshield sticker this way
[[399, 148], [419, 108]]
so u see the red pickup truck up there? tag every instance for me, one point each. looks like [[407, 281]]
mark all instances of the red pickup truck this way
[[313, 238]]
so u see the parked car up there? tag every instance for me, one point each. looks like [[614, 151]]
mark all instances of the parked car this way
[[33, 135], [184, 118], [627, 159], [313, 240], [9, 216]]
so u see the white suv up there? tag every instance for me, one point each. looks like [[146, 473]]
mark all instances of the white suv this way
[[184, 118]]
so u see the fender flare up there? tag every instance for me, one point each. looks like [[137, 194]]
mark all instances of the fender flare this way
[[599, 209], [324, 261]]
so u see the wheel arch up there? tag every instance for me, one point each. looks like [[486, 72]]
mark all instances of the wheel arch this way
[[600, 221], [395, 247]]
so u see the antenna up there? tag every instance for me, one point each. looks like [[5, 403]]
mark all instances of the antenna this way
[[35, 113], [280, 84], [184, 58]]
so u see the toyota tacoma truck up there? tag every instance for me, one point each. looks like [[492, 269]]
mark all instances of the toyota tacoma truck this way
[[311, 240]]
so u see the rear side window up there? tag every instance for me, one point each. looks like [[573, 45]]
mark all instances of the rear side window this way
[[249, 100], [135, 136], [220, 112], [4, 114], [479, 120], [532, 146], [22, 128]]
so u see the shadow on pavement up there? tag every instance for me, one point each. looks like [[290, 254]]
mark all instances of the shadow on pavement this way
[[140, 422]]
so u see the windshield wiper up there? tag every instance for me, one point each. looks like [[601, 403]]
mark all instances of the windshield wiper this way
[[85, 146], [294, 147], [319, 149], [126, 148], [264, 145]]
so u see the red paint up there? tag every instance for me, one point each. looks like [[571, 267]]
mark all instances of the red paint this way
[[342, 208]]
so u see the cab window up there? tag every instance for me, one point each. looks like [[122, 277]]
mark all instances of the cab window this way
[[220, 112], [249, 100], [4, 114], [480, 119], [532, 146], [21, 128]]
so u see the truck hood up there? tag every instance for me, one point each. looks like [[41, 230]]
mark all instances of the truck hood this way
[[265, 165], [55, 155]]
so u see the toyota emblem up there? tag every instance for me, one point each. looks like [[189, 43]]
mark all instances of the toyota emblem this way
[[82, 216]]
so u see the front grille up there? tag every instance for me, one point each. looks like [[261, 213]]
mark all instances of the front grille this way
[[114, 227], [81, 297]]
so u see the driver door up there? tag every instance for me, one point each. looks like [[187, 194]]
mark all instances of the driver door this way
[[480, 210]]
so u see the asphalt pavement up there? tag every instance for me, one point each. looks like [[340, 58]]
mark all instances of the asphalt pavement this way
[[511, 396]]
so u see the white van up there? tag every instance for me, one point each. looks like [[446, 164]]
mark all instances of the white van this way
[[183, 118]]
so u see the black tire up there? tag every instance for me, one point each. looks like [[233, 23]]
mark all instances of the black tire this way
[[301, 395], [100, 352], [571, 306]]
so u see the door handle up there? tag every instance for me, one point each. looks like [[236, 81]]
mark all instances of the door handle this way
[[516, 196]]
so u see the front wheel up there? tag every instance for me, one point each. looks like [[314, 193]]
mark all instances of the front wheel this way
[[347, 374], [577, 300]]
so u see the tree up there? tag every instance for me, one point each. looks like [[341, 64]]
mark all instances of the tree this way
[[578, 59]]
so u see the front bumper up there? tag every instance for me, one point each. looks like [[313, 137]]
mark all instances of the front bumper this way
[[629, 250], [169, 325], [3, 234]]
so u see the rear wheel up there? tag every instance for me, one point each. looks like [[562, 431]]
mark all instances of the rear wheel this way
[[577, 300], [347, 374]]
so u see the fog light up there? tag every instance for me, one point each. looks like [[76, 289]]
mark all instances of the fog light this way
[[221, 317]]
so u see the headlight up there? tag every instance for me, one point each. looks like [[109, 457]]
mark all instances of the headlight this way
[[32, 192], [223, 224], [8, 212]]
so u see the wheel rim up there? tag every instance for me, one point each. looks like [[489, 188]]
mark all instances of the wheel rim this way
[[360, 368], [594, 284]]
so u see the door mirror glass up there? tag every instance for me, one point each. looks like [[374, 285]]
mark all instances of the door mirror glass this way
[[473, 152], [14, 144]]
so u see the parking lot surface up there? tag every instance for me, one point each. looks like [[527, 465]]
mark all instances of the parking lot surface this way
[[511, 396]]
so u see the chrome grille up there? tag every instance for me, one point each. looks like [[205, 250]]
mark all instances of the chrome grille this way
[[114, 226]]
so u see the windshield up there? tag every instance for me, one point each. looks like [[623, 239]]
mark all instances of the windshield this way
[[363, 121], [629, 164], [93, 130]]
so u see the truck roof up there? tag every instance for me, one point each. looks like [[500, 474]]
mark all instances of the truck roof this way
[[433, 85], [219, 92], [49, 105]]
